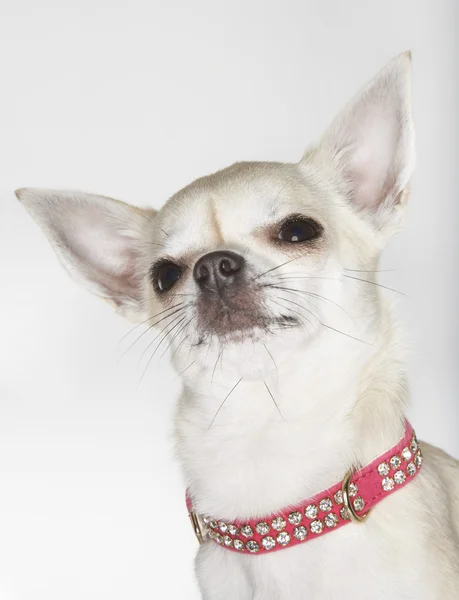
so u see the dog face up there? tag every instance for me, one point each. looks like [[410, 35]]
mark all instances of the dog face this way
[[259, 253], [224, 234]]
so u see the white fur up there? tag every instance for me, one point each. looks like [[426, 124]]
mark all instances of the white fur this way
[[338, 381]]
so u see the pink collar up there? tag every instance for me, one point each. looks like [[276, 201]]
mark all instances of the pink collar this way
[[350, 500]]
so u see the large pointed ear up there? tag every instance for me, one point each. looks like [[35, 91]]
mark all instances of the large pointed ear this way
[[98, 240], [371, 145]]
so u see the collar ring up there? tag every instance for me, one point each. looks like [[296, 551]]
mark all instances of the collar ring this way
[[347, 501]]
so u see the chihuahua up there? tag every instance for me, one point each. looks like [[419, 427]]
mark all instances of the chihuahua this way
[[261, 279]]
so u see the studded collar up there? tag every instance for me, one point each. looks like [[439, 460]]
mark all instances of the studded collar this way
[[346, 501]]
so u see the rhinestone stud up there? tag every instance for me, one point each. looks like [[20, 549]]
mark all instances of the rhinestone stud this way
[[325, 505], [233, 530], [222, 526], [295, 518], [383, 469], [268, 542], [331, 520], [238, 544], [388, 484], [414, 446], [399, 477], [418, 460], [317, 526], [359, 503], [353, 489], [278, 523], [252, 546], [395, 462], [247, 531], [213, 524], [338, 497], [283, 538], [344, 513], [218, 538], [262, 528], [301, 532], [311, 511], [227, 540], [411, 469], [406, 454]]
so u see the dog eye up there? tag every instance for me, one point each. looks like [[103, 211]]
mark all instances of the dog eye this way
[[298, 230], [166, 275]]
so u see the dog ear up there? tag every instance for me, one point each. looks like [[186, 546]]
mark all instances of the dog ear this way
[[371, 145], [98, 240]]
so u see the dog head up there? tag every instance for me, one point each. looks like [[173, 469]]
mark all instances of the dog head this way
[[265, 254]]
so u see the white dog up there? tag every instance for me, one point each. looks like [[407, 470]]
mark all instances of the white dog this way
[[262, 281]]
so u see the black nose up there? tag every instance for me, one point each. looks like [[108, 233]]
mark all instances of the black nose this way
[[217, 270]]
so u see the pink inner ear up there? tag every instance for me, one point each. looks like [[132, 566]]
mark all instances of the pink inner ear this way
[[370, 160], [371, 142], [105, 252]]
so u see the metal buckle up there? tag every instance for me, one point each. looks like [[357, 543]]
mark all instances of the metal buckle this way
[[197, 527], [346, 499]]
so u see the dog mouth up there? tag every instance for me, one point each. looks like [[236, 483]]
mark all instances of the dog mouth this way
[[286, 321], [232, 325], [239, 313]]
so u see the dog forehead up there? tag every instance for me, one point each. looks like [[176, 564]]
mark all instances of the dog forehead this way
[[229, 205]]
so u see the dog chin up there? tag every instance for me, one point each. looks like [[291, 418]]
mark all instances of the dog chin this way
[[251, 353]]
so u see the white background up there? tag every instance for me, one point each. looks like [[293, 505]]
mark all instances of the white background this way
[[134, 100]]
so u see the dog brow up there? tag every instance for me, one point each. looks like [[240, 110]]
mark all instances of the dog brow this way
[[215, 223]]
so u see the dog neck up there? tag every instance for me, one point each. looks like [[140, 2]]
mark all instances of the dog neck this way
[[292, 434]]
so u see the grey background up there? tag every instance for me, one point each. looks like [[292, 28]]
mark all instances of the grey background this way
[[134, 100]]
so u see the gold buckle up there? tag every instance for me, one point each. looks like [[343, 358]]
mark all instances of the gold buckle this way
[[197, 527], [347, 502]]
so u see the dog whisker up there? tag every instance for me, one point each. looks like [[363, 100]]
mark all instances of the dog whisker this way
[[221, 360], [224, 400], [177, 324], [184, 370], [295, 312], [275, 268], [156, 244], [215, 365], [299, 305], [346, 334], [184, 339], [385, 287], [165, 336], [301, 294], [272, 358], [175, 336], [179, 310], [146, 321], [309, 293], [182, 294], [174, 320], [275, 403], [329, 326], [165, 232], [348, 277], [372, 271]]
